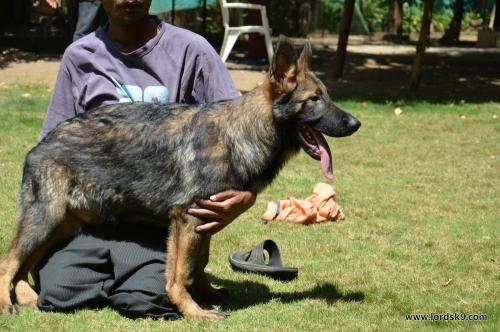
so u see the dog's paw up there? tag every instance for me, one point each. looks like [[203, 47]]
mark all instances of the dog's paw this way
[[7, 309], [216, 315]]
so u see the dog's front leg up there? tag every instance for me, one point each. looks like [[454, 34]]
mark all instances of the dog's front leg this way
[[183, 252], [201, 283]]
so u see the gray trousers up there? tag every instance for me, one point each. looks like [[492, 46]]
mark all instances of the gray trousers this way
[[84, 17], [108, 265]]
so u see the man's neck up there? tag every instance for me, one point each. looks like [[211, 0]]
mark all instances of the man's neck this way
[[129, 37]]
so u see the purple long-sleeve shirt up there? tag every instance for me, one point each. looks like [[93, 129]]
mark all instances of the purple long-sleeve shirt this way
[[175, 66]]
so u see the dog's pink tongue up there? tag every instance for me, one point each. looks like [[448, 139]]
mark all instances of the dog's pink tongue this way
[[325, 155]]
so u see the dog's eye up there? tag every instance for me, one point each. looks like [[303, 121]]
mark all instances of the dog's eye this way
[[314, 98]]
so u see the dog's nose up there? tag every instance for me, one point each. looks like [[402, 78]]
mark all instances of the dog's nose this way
[[352, 123]]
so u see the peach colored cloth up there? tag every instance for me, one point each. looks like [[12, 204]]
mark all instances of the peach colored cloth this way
[[318, 207]]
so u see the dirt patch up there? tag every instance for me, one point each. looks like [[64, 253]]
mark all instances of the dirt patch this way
[[449, 74], [40, 72], [20, 67]]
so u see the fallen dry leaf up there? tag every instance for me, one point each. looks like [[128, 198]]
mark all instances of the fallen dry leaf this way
[[447, 283]]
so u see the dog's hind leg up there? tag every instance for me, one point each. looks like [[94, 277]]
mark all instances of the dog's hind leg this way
[[183, 251], [37, 232], [25, 295], [201, 283], [8, 268], [42, 209]]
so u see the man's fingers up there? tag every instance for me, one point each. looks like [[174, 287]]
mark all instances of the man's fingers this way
[[219, 197], [208, 204], [209, 227], [216, 206], [203, 213]]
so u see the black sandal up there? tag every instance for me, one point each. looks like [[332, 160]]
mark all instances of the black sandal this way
[[253, 261]]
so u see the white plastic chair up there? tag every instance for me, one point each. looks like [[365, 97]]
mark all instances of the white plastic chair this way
[[231, 34]]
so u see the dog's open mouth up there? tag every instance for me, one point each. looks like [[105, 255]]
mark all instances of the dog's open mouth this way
[[315, 145]]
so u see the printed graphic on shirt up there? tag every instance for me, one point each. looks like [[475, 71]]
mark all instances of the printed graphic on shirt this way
[[129, 93], [157, 94]]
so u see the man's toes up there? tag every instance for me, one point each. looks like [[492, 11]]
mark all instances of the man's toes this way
[[25, 295], [31, 304]]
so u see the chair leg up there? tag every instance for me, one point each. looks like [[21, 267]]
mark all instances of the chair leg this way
[[267, 34], [230, 38], [224, 42], [269, 46]]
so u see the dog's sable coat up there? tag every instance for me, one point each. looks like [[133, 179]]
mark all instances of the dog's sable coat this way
[[128, 161]]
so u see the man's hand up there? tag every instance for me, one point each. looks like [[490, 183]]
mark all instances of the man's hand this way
[[221, 209]]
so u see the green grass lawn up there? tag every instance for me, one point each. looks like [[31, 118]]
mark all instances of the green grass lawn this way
[[421, 194]]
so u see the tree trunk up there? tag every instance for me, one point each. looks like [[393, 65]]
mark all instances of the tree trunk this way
[[422, 43], [316, 12], [398, 18], [496, 22], [394, 24], [389, 21], [345, 27], [452, 35]]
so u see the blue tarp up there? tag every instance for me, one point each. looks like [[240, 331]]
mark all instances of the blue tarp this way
[[163, 6]]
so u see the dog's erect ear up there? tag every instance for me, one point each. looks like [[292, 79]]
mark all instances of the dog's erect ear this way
[[305, 58], [284, 66]]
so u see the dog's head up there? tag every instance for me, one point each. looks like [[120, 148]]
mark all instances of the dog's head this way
[[301, 99]]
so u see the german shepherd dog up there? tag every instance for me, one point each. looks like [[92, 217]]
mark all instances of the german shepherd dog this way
[[130, 159]]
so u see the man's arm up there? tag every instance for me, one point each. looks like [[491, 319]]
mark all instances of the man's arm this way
[[212, 82], [62, 103]]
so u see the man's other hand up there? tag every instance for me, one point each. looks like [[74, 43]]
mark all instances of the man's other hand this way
[[221, 209]]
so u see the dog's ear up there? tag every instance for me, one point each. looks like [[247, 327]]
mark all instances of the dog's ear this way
[[283, 68], [305, 58]]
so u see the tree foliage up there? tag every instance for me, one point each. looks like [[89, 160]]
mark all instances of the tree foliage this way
[[284, 15]]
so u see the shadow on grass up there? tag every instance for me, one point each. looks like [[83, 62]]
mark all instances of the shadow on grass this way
[[244, 294], [10, 55], [468, 74]]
